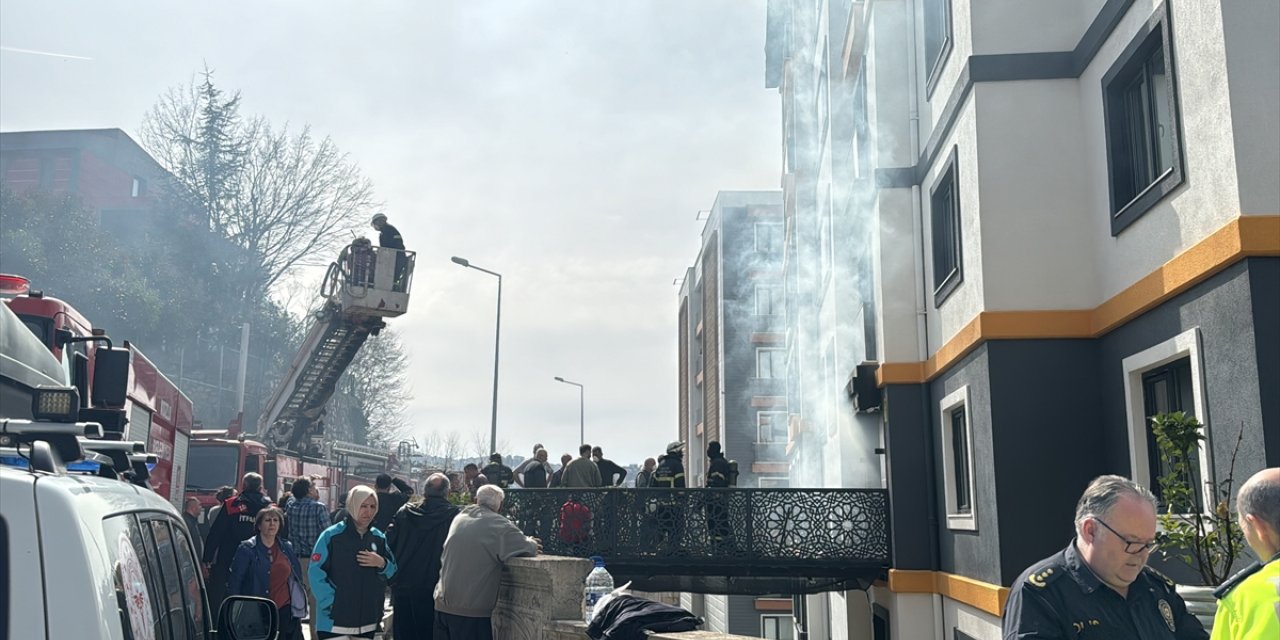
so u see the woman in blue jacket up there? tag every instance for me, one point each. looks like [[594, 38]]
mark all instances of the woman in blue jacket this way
[[267, 567], [350, 565]]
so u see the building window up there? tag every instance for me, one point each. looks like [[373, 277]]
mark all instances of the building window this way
[[771, 363], [1164, 390], [771, 426], [774, 482], [937, 40], [879, 622], [1144, 153], [777, 627], [957, 460], [769, 238], [768, 301], [1166, 377], [944, 217]]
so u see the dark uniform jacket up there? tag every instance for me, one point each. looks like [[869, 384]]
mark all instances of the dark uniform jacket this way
[[417, 539], [718, 472], [499, 474], [389, 237], [1060, 597], [234, 524], [670, 473]]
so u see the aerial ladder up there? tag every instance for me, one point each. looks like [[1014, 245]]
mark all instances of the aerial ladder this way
[[364, 287]]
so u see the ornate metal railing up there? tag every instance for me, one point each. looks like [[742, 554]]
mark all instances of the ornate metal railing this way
[[691, 538]]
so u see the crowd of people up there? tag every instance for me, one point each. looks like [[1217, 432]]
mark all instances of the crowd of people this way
[[440, 562]]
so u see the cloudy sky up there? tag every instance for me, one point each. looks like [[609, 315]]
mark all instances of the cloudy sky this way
[[565, 144]]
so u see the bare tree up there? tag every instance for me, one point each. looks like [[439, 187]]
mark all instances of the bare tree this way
[[451, 449], [287, 200], [378, 383]]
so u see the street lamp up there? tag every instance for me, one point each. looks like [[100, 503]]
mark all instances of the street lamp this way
[[582, 432], [497, 337]]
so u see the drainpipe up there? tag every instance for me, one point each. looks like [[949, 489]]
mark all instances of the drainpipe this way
[[922, 301]]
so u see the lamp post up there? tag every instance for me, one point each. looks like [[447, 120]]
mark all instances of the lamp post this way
[[582, 431], [497, 338]]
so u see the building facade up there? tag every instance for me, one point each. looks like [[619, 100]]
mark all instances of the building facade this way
[[732, 377], [1032, 226]]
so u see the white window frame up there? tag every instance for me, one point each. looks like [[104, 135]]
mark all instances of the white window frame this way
[[1184, 345], [958, 399], [759, 352], [773, 293], [760, 415], [783, 618], [762, 243]]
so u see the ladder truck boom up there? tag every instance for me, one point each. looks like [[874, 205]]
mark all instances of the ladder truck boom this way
[[361, 289]]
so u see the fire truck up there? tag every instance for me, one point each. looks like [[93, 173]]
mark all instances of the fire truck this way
[[155, 412], [364, 287]]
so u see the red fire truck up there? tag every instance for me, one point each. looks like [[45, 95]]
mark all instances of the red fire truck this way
[[362, 288], [156, 412]]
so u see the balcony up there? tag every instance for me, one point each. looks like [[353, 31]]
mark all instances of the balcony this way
[[747, 541]]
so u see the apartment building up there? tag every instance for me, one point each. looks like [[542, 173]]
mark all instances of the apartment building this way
[[1044, 222], [733, 371]]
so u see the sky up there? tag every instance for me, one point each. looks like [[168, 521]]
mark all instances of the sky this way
[[568, 145]]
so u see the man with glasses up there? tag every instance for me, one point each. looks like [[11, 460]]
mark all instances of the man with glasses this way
[[1099, 586]]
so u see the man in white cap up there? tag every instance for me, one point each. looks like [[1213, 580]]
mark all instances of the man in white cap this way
[[670, 472], [389, 238]]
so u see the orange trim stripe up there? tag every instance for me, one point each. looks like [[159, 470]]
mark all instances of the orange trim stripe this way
[[980, 595], [1244, 237]]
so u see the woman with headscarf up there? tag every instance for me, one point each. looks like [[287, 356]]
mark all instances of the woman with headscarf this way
[[266, 566], [350, 565]]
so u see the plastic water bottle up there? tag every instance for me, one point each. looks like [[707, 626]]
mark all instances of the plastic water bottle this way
[[597, 585]]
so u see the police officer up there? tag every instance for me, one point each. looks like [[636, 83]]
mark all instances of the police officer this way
[[1249, 606], [1099, 586]]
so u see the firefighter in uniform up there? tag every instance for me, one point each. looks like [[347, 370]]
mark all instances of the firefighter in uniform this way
[[1099, 587], [718, 477], [389, 238], [668, 515]]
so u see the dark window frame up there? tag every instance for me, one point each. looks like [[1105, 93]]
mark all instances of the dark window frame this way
[[1156, 36], [1180, 396], [881, 622], [962, 466], [933, 67], [946, 191]]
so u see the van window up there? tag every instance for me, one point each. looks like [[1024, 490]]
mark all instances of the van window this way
[[189, 578], [166, 546], [138, 594]]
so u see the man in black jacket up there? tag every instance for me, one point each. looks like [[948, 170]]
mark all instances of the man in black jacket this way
[[235, 524], [417, 537], [389, 503], [611, 475], [669, 512], [389, 238]]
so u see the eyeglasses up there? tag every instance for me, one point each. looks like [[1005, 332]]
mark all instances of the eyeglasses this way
[[1130, 547]]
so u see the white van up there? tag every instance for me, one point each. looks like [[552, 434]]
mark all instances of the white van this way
[[84, 556]]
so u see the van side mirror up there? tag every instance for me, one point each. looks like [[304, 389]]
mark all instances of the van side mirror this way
[[110, 376], [247, 618]]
